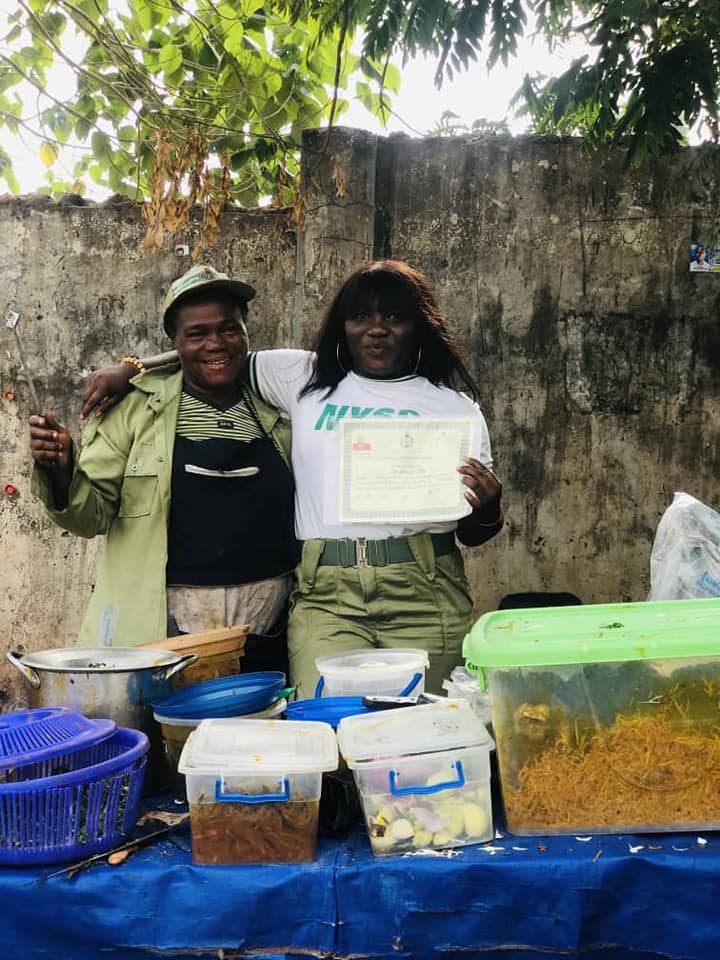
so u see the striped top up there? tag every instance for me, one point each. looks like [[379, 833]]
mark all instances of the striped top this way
[[198, 420]]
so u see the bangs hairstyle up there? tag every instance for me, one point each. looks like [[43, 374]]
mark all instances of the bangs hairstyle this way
[[390, 292], [395, 287]]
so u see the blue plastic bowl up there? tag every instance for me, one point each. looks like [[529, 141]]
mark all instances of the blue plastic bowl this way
[[224, 697]]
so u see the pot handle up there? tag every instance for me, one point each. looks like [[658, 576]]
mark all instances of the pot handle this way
[[15, 658], [174, 668]]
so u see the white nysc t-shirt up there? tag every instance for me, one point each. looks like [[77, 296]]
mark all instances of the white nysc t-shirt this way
[[278, 376]]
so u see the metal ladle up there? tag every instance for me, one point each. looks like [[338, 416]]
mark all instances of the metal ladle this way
[[12, 318]]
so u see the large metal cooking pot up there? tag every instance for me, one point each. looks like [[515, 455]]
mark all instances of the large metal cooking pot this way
[[114, 682]]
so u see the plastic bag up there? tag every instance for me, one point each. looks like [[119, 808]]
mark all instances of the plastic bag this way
[[685, 558], [463, 685]]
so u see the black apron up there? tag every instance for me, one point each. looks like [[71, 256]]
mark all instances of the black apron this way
[[228, 528]]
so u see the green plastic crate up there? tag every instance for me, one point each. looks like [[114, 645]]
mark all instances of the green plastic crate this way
[[606, 717]]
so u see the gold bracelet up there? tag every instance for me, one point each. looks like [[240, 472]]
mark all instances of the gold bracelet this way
[[134, 362]]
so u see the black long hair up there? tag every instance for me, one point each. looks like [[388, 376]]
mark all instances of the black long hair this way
[[398, 288]]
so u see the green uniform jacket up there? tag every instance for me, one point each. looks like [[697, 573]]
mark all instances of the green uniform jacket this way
[[121, 487]]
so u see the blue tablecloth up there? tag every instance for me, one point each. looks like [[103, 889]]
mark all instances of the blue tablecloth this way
[[611, 897]]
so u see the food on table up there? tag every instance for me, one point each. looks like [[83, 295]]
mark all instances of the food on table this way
[[655, 762], [253, 788], [423, 775], [254, 832], [448, 818]]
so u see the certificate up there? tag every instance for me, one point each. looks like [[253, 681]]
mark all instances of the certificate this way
[[403, 470]]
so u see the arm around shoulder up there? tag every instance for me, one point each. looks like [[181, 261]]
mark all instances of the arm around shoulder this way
[[107, 386]]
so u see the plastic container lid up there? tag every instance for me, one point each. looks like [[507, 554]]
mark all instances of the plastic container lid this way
[[428, 728], [593, 633], [224, 697], [274, 710], [33, 736], [326, 710], [236, 746], [373, 661]]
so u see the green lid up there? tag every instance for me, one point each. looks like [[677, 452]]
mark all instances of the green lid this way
[[593, 633]]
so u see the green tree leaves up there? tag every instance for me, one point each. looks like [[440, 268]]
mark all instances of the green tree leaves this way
[[239, 79], [656, 73], [243, 76]]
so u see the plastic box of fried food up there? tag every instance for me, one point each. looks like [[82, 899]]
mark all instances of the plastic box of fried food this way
[[606, 717]]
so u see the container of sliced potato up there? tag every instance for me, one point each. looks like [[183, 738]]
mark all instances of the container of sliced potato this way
[[423, 774]]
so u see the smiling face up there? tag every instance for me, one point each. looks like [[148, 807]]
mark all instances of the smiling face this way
[[381, 341], [211, 340]]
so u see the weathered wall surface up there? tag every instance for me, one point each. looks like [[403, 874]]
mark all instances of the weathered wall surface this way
[[595, 348], [86, 292], [566, 278]]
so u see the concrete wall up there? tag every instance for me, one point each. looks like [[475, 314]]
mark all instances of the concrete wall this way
[[565, 278]]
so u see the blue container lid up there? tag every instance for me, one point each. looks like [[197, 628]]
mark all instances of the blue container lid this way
[[325, 709], [225, 697], [32, 736]]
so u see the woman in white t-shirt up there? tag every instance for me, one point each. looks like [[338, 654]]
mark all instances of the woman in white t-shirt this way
[[384, 351]]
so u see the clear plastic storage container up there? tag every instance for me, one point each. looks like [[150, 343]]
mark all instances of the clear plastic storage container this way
[[605, 716], [253, 789], [361, 673], [423, 774], [176, 730]]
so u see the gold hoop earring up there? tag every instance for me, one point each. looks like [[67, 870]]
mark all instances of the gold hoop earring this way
[[337, 355], [417, 362]]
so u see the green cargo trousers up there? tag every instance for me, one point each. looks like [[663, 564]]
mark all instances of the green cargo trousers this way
[[423, 603]]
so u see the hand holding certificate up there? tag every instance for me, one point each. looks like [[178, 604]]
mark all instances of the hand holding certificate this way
[[398, 470]]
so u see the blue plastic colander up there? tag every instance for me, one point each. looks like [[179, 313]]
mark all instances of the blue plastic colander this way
[[72, 805], [31, 736]]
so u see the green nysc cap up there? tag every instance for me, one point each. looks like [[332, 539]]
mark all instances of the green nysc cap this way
[[204, 276]]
